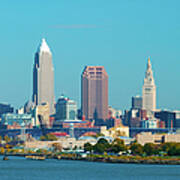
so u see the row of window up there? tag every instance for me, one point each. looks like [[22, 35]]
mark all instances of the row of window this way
[[98, 69]]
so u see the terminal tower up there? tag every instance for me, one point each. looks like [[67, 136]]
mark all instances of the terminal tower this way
[[149, 90]]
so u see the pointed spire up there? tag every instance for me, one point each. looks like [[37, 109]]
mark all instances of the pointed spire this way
[[149, 73], [149, 63], [43, 47]]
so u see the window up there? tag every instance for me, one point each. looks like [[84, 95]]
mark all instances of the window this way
[[98, 69]]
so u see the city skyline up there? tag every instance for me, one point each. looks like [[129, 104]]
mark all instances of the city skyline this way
[[120, 40]]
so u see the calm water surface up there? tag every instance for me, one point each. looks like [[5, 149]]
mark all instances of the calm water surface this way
[[19, 168]]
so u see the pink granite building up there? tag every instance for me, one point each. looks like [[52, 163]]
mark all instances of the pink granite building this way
[[94, 93]]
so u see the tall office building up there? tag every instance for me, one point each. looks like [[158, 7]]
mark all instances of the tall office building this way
[[94, 93], [5, 108], [137, 102], [66, 109], [149, 90], [43, 77]]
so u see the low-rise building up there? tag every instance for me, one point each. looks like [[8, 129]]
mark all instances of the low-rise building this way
[[66, 143], [148, 137], [115, 131]]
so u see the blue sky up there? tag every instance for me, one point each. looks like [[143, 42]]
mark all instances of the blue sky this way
[[119, 34]]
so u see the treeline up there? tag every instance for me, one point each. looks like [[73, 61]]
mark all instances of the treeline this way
[[170, 149], [149, 149], [103, 146]]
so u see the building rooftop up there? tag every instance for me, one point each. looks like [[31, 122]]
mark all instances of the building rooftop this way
[[43, 47]]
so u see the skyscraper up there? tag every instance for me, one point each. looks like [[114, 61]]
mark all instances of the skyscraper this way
[[149, 89], [137, 102], [66, 109], [94, 93], [43, 77]]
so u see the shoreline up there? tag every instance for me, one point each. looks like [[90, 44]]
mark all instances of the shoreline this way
[[109, 159], [147, 160]]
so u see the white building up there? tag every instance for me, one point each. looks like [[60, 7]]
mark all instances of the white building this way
[[43, 77], [151, 123], [149, 90], [177, 114]]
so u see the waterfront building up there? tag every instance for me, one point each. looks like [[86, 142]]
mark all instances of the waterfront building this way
[[147, 137], [43, 77], [66, 143], [5, 108], [149, 90], [137, 102], [94, 93], [66, 109]]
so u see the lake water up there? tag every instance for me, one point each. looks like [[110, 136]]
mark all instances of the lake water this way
[[18, 168]]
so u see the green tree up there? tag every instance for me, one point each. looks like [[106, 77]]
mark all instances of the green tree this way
[[136, 149], [101, 146], [172, 149], [103, 141], [151, 149], [117, 146], [88, 147]]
